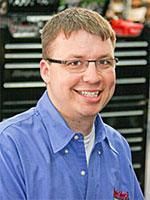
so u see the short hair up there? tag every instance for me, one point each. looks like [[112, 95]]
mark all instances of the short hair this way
[[75, 19]]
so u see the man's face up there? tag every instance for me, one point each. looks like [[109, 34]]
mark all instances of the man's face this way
[[79, 95]]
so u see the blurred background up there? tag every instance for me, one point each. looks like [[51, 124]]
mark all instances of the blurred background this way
[[20, 52]]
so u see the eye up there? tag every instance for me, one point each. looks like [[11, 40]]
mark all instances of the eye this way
[[74, 63], [105, 62]]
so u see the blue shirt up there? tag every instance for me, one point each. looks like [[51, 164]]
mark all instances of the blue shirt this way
[[41, 158]]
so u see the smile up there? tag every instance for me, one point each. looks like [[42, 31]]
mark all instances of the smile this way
[[89, 94]]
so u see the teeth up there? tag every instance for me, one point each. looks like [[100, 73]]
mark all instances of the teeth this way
[[89, 94]]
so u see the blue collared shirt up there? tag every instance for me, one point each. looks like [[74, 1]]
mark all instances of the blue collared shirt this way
[[41, 158]]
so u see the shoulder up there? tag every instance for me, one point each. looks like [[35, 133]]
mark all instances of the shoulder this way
[[113, 133], [117, 140], [114, 138], [18, 123]]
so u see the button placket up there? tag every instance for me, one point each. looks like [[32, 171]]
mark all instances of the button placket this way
[[80, 143]]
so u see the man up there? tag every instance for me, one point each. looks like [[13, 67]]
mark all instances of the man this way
[[61, 149]]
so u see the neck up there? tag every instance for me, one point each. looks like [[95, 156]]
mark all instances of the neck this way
[[83, 126]]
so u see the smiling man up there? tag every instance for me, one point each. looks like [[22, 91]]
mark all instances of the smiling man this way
[[61, 149]]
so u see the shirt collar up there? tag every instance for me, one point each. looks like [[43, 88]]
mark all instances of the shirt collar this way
[[58, 132], [102, 134]]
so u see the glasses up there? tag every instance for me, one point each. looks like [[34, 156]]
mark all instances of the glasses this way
[[78, 66]]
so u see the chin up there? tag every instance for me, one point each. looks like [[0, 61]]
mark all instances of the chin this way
[[90, 113]]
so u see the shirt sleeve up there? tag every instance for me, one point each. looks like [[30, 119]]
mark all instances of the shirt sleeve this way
[[137, 194], [137, 189], [11, 172]]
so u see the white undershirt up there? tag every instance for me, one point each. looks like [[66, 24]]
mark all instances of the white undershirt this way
[[89, 143]]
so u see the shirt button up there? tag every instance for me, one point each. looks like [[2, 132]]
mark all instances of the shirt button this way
[[82, 173], [66, 151], [76, 137]]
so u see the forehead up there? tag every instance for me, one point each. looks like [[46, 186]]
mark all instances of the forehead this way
[[81, 42]]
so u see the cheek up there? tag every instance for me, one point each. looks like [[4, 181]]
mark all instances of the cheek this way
[[112, 83], [68, 80], [110, 80], [55, 75], [63, 80]]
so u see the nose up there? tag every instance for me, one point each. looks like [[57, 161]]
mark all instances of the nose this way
[[91, 74]]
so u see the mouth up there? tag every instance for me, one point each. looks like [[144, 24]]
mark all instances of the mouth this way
[[92, 94]]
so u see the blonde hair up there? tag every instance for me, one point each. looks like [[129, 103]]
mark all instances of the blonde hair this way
[[75, 19]]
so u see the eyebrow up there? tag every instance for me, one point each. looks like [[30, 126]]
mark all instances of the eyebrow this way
[[74, 56], [106, 56]]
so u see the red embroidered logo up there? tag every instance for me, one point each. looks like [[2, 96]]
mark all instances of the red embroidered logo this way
[[118, 195]]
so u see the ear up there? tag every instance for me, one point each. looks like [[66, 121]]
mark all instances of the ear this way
[[44, 70]]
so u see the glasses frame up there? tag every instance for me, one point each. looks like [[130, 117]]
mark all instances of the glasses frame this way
[[85, 62]]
